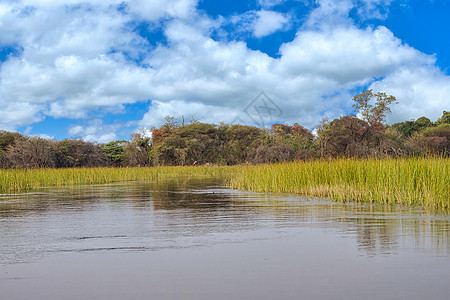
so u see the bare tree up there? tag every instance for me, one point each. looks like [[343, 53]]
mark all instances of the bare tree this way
[[30, 153]]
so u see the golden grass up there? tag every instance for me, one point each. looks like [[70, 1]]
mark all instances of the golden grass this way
[[412, 181], [17, 181]]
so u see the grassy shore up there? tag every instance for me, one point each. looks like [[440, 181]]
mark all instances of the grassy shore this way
[[412, 181], [17, 181]]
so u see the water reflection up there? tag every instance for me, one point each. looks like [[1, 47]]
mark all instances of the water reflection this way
[[162, 214], [379, 229], [187, 238]]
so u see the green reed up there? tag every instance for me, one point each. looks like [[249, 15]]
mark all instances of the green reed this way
[[22, 180], [413, 181]]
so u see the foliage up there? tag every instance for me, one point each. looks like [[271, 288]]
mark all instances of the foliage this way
[[23, 180], [445, 119], [408, 128], [137, 152], [114, 152], [345, 136], [373, 113], [77, 153]]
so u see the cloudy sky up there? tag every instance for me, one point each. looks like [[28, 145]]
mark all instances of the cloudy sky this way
[[100, 69]]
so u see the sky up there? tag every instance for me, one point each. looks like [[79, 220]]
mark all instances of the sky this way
[[101, 69]]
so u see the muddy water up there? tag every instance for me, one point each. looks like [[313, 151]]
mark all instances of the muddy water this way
[[196, 239]]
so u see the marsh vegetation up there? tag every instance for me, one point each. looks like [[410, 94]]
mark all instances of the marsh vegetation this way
[[412, 181]]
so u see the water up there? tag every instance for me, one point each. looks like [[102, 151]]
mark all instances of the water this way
[[196, 239]]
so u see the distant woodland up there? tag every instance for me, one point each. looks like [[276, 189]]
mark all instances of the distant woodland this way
[[179, 144]]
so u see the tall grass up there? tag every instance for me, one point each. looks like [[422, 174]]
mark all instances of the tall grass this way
[[16, 181], [412, 181]]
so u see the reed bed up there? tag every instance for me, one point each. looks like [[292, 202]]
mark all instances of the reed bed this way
[[23, 180], [413, 181]]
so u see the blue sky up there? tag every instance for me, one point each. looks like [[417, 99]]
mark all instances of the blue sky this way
[[101, 69]]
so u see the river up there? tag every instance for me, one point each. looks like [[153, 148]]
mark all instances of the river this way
[[197, 239]]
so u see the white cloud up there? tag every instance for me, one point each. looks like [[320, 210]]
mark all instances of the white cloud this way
[[270, 3], [261, 23], [95, 131], [13, 114], [423, 91], [153, 10], [347, 54], [269, 22], [313, 77], [190, 111], [72, 64], [43, 136], [330, 13], [373, 9]]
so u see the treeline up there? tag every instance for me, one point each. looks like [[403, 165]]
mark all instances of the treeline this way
[[197, 143]]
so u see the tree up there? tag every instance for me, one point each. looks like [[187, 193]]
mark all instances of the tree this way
[[242, 141], [137, 152], [114, 152], [77, 154], [345, 136], [273, 153], [408, 128], [30, 152], [373, 113], [445, 119], [7, 139], [192, 144]]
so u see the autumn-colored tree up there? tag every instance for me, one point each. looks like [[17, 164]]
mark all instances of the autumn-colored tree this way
[[345, 136]]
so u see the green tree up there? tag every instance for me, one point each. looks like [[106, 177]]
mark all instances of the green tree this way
[[114, 152], [408, 128], [77, 154], [445, 119], [373, 113]]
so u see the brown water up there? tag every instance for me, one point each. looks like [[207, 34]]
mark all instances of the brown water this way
[[195, 239]]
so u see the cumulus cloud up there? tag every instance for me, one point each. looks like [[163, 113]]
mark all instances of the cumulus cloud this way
[[269, 22], [422, 91], [190, 111], [95, 131], [347, 54], [313, 77], [79, 57], [261, 23]]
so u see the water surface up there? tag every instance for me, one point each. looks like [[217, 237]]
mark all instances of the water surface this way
[[196, 239]]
